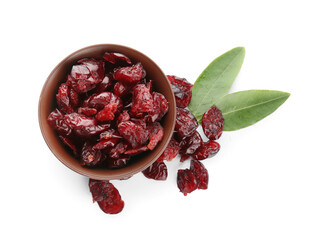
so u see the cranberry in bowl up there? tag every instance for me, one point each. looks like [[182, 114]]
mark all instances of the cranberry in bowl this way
[[107, 111]]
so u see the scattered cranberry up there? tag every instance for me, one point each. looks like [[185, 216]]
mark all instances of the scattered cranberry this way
[[170, 152], [189, 145], [206, 150], [106, 195], [212, 123], [186, 123], [186, 181], [201, 174]]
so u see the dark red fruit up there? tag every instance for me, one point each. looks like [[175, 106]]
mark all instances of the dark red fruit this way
[[69, 143], [170, 152], [117, 163], [206, 150], [106, 83], [96, 68], [181, 89], [190, 144], [137, 150], [121, 89], [133, 133], [201, 174], [106, 143], [212, 123], [89, 156], [99, 101], [87, 111], [157, 171], [142, 101], [106, 195], [56, 121], [107, 113], [118, 150], [80, 72], [123, 117], [63, 99], [116, 57], [160, 107], [129, 75], [186, 181], [186, 123], [155, 134]]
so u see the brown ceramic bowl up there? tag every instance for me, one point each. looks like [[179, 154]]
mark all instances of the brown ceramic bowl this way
[[47, 103]]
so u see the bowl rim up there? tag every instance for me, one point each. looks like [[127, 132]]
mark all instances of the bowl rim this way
[[84, 171]]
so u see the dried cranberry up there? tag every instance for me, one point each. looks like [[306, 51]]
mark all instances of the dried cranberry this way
[[74, 98], [201, 174], [170, 152], [117, 163], [87, 111], [121, 89], [111, 133], [106, 195], [115, 57], [123, 117], [80, 72], [206, 150], [186, 181], [160, 107], [137, 150], [181, 89], [89, 156], [155, 134], [106, 83], [99, 101], [157, 171], [190, 144], [118, 150], [186, 123], [184, 157], [130, 75], [142, 101], [96, 68], [135, 134], [105, 143], [56, 120], [63, 99], [107, 113], [212, 123]]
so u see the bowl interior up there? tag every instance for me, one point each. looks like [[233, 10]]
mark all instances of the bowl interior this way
[[47, 103]]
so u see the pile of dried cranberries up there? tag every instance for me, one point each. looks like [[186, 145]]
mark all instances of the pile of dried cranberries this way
[[107, 112]]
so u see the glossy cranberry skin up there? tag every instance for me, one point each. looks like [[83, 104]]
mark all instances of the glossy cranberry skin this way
[[107, 113], [160, 107], [56, 120], [63, 99], [157, 171], [133, 133], [142, 101], [155, 134], [116, 57], [99, 101], [170, 152], [96, 68], [107, 196], [212, 123], [191, 143], [90, 157], [206, 150], [186, 123], [186, 181], [201, 174], [129, 75], [181, 89]]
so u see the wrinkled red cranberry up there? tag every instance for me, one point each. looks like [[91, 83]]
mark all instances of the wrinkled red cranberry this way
[[118, 150], [96, 68], [201, 174], [99, 101], [155, 134], [206, 150], [111, 133], [117, 163], [142, 101], [106, 195], [186, 123], [89, 156], [157, 171], [181, 89], [160, 107], [104, 84], [170, 152], [190, 144], [130, 75], [186, 181], [87, 111], [106, 143], [133, 133], [136, 150], [212, 123], [80, 72], [63, 99], [121, 89], [123, 117], [56, 121], [107, 113], [116, 57]]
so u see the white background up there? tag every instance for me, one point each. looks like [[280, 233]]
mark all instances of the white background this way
[[267, 182]]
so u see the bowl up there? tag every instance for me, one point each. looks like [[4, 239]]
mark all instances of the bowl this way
[[47, 103]]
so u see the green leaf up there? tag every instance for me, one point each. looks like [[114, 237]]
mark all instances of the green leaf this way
[[242, 109], [215, 81]]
